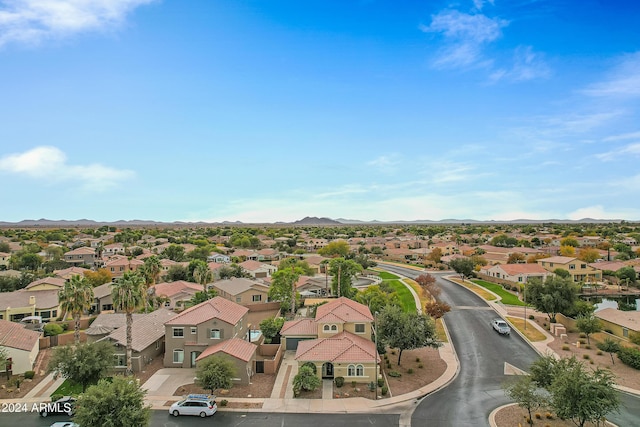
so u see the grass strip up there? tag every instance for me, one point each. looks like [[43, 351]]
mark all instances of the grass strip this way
[[506, 297], [531, 332]]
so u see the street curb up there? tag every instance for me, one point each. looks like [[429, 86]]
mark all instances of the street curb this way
[[492, 415]]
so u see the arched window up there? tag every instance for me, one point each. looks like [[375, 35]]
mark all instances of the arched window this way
[[351, 371], [325, 328], [360, 371], [334, 328]]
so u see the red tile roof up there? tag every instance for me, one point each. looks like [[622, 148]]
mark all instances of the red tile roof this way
[[172, 288], [14, 335], [55, 281], [215, 308], [514, 269], [235, 347], [343, 310], [298, 327], [344, 347]]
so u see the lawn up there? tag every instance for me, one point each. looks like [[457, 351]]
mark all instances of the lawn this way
[[507, 297], [68, 388], [404, 294], [531, 332], [385, 275]]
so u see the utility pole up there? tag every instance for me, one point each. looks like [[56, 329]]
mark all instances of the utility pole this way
[[375, 356]]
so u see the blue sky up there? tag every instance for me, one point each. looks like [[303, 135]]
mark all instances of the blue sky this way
[[273, 110]]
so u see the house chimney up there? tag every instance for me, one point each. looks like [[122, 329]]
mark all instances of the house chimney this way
[[32, 300]]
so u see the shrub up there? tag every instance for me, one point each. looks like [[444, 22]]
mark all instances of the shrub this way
[[634, 337], [630, 356], [532, 317], [395, 374], [582, 335], [566, 348], [410, 371], [224, 402], [353, 384], [380, 382], [548, 416], [384, 390], [65, 326], [583, 341], [420, 365], [28, 375], [585, 356], [52, 329], [417, 359], [538, 416], [339, 381], [599, 353], [588, 347], [312, 365]]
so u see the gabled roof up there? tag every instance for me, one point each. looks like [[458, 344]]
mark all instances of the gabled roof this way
[[514, 269], [82, 250], [236, 285], [55, 281], [172, 288], [71, 271], [14, 335], [145, 330], [123, 261], [21, 298], [113, 320], [252, 265], [235, 347], [344, 347], [343, 310], [628, 319], [304, 326], [215, 308], [558, 259]]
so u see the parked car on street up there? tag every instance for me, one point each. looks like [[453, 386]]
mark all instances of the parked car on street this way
[[65, 424], [203, 405], [501, 326], [64, 406]]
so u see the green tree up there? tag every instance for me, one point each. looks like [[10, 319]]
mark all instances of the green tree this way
[[175, 252], [526, 393], [202, 296], [177, 272], [76, 297], [113, 403], [343, 271], [215, 373], [231, 270], [98, 277], [337, 248], [283, 287], [582, 395], [203, 274], [271, 327], [199, 253], [305, 380], [406, 331], [296, 263], [588, 255], [4, 247], [128, 294], [376, 299], [627, 274], [588, 325], [553, 296], [462, 266], [84, 363], [569, 241], [610, 346], [561, 272]]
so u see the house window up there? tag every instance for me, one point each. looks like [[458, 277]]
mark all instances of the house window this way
[[178, 332], [54, 313], [167, 303], [625, 332], [572, 266], [158, 345], [178, 356], [238, 300], [325, 328], [120, 360], [583, 265], [359, 328], [519, 278], [359, 371], [334, 328], [215, 334], [351, 371], [256, 298], [194, 330]]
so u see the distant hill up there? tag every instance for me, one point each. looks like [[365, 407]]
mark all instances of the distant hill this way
[[313, 220]]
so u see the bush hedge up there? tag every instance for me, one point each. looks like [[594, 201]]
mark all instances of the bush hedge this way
[[630, 356]]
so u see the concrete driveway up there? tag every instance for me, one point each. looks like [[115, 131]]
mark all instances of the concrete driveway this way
[[166, 381]]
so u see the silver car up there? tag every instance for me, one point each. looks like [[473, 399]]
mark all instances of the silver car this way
[[203, 405], [501, 326]]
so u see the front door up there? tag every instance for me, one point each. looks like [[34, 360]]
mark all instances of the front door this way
[[194, 355], [327, 370]]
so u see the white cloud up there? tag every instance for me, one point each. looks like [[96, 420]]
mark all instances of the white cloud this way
[[623, 80], [466, 35], [527, 65], [599, 212], [629, 149], [32, 21], [479, 4], [631, 135], [50, 164], [387, 164]]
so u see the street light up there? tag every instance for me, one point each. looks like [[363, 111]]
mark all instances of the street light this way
[[524, 296], [375, 356]]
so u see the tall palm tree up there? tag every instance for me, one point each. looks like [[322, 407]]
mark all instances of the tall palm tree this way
[[75, 298], [151, 272], [203, 275], [128, 294]]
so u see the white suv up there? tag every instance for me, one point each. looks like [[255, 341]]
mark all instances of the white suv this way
[[203, 405]]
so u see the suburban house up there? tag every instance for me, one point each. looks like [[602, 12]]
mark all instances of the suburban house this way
[[241, 291], [518, 273], [193, 331], [619, 322], [102, 298], [106, 323], [178, 292], [45, 284], [241, 352], [68, 273], [22, 346], [81, 256], [579, 270], [118, 265], [313, 286], [219, 258], [148, 339], [113, 249], [341, 344], [257, 269]]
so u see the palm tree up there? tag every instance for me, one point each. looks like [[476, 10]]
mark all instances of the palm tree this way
[[203, 275], [75, 298], [150, 271], [128, 295]]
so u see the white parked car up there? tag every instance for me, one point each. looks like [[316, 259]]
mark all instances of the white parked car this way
[[203, 405], [501, 326]]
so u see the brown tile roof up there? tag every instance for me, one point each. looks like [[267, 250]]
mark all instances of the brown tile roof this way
[[344, 347], [251, 265], [215, 308], [145, 330], [83, 250], [113, 320], [44, 299], [102, 290], [67, 273], [628, 319], [172, 288], [235, 347], [55, 281], [513, 269], [343, 310], [558, 259], [14, 335], [297, 327], [236, 285], [123, 261]]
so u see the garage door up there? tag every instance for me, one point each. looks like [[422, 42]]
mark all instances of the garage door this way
[[292, 343]]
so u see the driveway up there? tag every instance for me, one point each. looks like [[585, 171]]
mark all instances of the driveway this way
[[166, 381]]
